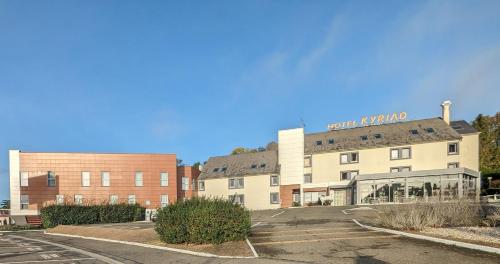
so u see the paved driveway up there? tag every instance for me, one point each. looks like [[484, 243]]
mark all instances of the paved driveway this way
[[328, 235]]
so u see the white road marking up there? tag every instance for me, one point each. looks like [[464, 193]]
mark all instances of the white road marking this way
[[304, 230], [343, 211], [81, 251], [254, 225], [314, 234], [252, 248], [48, 260], [323, 239], [278, 214]]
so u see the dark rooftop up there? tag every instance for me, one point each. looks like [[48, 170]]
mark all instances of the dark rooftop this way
[[254, 163], [462, 127], [394, 134]]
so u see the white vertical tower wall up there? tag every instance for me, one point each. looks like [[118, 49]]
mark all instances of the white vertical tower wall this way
[[15, 184], [291, 155]]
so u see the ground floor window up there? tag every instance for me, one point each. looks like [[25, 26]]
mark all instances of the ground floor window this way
[[426, 188], [237, 199], [275, 198], [78, 199], [131, 199], [164, 200], [25, 201], [59, 199], [113, 199], [312, 197]]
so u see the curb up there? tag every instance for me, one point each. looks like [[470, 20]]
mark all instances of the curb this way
[[183, 251], [433, 239], [28, 230]]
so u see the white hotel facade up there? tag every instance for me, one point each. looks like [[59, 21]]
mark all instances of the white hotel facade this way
[[382, 160]]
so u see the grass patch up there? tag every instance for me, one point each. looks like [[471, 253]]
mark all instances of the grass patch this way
[[418, 216]]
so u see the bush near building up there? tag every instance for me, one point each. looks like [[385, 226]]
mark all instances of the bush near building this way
[[68, 214], [202, 221], [419, 216]]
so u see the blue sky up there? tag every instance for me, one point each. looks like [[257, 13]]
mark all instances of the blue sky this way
[[198, 78]]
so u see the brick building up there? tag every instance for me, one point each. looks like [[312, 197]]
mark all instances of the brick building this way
[[151, 180]]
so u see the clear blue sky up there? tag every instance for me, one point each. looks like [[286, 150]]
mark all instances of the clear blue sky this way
[[198, 78]]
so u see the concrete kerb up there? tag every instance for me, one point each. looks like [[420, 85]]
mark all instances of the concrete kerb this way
[[20, 231], [183, 251], [433, 239]]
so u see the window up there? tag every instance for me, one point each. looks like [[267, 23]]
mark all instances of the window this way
[[349, 158], [307, 161], [25, 201], [377, 136], [201, 185], [59, 199], [400, 169], [452, 148], [254, 166], [429, 130], [138, 179], [113, 199], [236, 183], [237, 199], [185, 183], [348, 175], [331, 141], [163, 178], [263, 165], [414, 132], [319, 143], [400, 153], [51, 179], [364, 138], [274, 180], [131, 199], [105, 178], [275, 198], [85, 178], [312, 197], [164, 200], [216, 170], [453, 165], [308, 178], [24, 178], [223, 169], [78, 199]]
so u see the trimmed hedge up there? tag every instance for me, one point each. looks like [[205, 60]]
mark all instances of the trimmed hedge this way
[[68, 214], [202, 221]]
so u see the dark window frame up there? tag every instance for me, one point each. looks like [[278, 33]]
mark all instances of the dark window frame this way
[[349, 157], [457, 148]]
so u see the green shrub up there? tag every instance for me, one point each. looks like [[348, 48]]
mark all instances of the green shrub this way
[[69, 214], [202, 221]]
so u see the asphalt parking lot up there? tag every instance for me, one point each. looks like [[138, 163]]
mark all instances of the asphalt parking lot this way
[[19, 249], [328, 235]]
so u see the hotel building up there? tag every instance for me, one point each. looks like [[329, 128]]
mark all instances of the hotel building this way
[[379, 160], [151, 180]]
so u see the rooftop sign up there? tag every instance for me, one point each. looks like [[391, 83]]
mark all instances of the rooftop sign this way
[[370, 121]]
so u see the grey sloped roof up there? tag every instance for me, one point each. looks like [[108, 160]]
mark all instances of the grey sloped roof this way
[[462, 127], [395, 134], [241, 164]]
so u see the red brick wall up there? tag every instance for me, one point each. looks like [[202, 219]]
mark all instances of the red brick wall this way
[[191, 173], [286, 194], [122, 167]]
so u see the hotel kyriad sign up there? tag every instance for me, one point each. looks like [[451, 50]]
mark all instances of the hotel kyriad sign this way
[[370, 121]]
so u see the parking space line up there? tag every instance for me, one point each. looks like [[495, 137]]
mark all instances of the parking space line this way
[[81, 251], [314, 234], [278, 214], [318, 240], [254, 225], [304, 230], [47, 260]]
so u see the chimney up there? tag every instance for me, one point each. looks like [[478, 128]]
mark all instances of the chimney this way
[[445, 106]]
